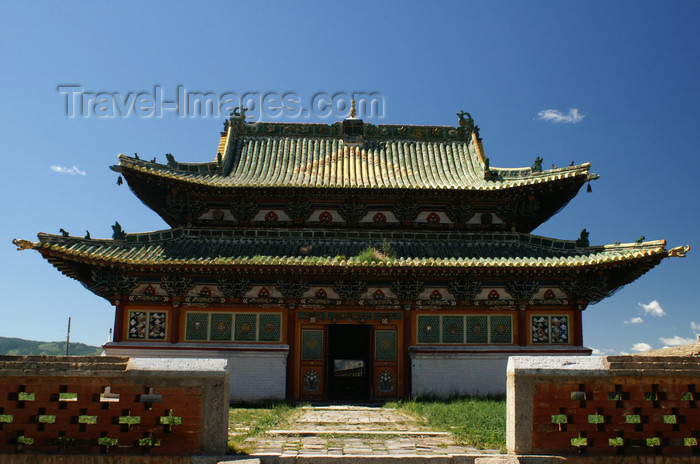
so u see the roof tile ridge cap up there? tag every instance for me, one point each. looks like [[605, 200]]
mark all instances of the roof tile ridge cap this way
[[647, 244]]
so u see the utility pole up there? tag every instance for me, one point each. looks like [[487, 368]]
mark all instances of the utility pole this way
[[68, 337]]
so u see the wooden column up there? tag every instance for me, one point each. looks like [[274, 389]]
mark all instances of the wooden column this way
[[118, 321], [578, 325], [175, 326], [522, 325], [406, 364], [292, 356]]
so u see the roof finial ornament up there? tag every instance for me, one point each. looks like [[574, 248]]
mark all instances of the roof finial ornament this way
[[352, 109], [678, 252], [467, 124], [583, 241]]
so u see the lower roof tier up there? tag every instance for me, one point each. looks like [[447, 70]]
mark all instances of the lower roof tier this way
[[215, 254], [359, 248]]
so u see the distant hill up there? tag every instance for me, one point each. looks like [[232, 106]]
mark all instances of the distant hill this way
[[22, 347]]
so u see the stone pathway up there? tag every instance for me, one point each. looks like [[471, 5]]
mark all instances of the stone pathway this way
[[356, 431]]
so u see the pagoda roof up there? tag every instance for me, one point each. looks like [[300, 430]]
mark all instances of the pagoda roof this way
[[264, 247], [273, 155]]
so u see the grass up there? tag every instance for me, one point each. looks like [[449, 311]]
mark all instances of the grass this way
[[479, 422], [251, 422]]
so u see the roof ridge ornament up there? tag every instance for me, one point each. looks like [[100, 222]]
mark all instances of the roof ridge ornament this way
[[467, 125], [677, 252], [582, 241], [22, 244]]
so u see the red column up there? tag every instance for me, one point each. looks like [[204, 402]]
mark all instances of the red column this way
[[118, 321], [578, 325], [291, 357], [523, 326], [175, 315], [406, 362]]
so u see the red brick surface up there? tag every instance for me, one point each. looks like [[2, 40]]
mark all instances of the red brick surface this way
[[551, 398], [185, 402]]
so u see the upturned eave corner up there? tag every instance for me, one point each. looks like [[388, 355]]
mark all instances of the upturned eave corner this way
[[22, 244], [679, 251]]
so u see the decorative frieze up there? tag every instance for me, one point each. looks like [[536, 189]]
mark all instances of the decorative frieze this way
[[182, 206], [176, 285], [407, 289], [465, 288], [292, 288], [591, 288], [233, 287], [522, 289], [350, 289], [110, 284]]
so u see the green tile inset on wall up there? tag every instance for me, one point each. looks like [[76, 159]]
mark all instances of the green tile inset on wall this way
[[501, 329], [453, 329], [428, 329], [270, 328], [245, 328], [477, 329], [221, 327], [197, 325]]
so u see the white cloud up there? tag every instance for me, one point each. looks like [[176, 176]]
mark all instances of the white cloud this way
[[694, 325], [637, 347], [676, 341], [635, 320], [653, 309], [64, 170], [603, 352], [557, 116]]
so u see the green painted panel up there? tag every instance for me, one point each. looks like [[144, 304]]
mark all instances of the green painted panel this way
[[221, 327], [197, 324], [501, 329], [270, 328], [245, 328], [477, 329], [428, 329], [385, 345], [453, 329], [312, 345]]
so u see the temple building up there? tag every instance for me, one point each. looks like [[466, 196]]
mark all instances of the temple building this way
[[349, 261]]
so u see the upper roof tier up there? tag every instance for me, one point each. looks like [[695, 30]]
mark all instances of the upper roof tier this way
[[385, 156], [353, 155]]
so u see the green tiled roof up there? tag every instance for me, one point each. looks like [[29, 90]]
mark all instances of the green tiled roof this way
[[284, 155], [211, 247]]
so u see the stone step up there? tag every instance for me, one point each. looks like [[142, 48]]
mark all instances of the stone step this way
[[379, 433]]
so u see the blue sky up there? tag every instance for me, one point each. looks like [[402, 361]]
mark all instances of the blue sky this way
[[629, 69]]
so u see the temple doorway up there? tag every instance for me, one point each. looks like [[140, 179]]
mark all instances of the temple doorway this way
[[349, 369]]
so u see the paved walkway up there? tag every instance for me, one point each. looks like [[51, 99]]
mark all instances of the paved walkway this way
[[356, 431]]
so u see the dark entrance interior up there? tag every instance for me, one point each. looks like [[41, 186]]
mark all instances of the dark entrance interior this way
[[348, 362]]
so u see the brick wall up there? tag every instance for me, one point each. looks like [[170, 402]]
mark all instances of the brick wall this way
[[94, 405], [607, 406]]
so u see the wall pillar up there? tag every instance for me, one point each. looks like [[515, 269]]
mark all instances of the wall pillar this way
[[175, 315], [522, 325], [578, 325], [406, 361], [118, 321], [291, 357]]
